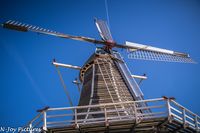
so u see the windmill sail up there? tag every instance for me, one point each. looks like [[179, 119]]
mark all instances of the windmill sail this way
[[145, 52], [15, 25], [103, 29]]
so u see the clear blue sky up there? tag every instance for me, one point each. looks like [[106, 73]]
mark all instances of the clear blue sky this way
[[28, 80]]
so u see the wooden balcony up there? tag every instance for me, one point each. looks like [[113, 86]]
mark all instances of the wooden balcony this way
[[165, 115]]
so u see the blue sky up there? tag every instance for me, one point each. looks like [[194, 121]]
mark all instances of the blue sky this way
[[28, 80]]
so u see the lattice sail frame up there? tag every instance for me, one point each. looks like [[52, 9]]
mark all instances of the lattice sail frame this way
[[156, 56], [145, 52]]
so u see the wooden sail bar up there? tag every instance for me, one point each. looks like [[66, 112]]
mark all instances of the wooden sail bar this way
[[79, 68], [139, 77], [66, 65]]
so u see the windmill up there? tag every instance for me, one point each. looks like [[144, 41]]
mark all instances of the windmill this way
[[109, 90]]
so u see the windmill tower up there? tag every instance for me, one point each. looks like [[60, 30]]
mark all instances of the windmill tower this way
[[111, 100], [105, 77]]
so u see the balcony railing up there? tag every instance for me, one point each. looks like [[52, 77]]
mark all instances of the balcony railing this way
[[105, 113]]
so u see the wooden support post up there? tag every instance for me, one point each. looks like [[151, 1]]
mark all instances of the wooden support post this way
[[169, 110], [106, 119], [135, 110], [184, 117], [75, 118], [44, 121], [30, 126], [196, 124]]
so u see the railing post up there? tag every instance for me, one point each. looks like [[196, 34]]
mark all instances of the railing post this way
[[184, 117], [30, 126], [106, 119], [44, 121], [169, 110], [196, 124], [75, 117], [135, 111]]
